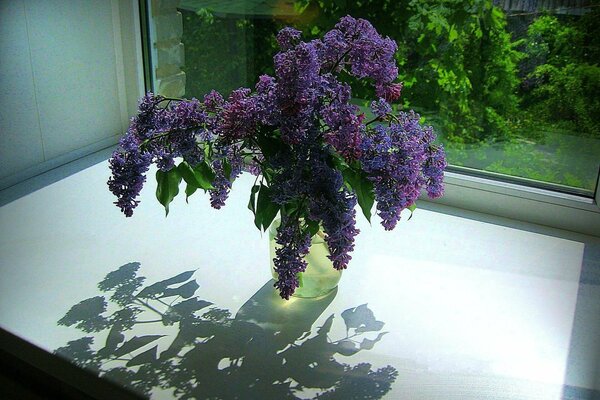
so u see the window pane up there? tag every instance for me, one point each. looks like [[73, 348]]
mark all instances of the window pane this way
[[511, 87]]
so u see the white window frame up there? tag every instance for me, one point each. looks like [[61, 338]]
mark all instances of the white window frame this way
[[524, 203]]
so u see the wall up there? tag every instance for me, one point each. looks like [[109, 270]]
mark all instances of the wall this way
[[68, 74]]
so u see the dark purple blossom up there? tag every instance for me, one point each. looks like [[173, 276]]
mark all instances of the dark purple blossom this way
[[128, 166], [184, 123], [289, 260], [288, 37], [222, 186], [143, 124], [238, 115], [297, 74], [357, 47], [389, 91], [342, 118], [332, 204], [213, 101], [229, 156], [266, 100]]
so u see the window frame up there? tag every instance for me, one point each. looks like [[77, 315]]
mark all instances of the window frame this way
[[523, 203]]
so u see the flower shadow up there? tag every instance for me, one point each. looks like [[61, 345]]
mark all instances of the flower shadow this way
[[195, 349]]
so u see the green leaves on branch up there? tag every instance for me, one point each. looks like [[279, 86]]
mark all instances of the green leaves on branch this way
[[198, 177], [363, 188], [263, 207], [168, 187]]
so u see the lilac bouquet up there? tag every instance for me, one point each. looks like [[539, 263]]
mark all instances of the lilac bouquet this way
[[312, 151]]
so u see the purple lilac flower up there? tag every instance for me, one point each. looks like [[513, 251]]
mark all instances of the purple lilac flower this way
[[184, 121], [222, 186], [342, 118], [288, 37], [306, 107], [163, 159], [381, 108], [143, 124], [334, 206], [128, 166], [213, 101], [289, 260], [389, 91], [253, 166], [289, 183], [357, 47], [433, 171], [297, 74], [396, 160], [266, 100], [238, 116], [223, 183]]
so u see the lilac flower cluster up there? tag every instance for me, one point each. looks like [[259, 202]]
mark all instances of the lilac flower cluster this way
[[299, 133], [331, 203], [367, 54], [238, 116], [224, 179], [400, 159], [128, 174], [290, 256]]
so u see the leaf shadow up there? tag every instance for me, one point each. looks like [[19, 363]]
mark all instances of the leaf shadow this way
[[269, 349]]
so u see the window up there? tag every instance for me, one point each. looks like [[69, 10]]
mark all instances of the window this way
[[510, 87]]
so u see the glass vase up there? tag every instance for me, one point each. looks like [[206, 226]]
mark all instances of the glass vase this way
[[320, 277]]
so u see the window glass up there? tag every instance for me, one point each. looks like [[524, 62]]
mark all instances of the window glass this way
[[511, 87]]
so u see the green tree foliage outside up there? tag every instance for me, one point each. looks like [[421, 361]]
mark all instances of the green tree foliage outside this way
[[519, 103]]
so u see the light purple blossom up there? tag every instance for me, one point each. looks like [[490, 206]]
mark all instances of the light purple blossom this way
[[381, 108], [399, 160]]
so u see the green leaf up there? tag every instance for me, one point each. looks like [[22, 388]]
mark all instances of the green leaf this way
[[135, 343], [313, 227], [453, 34], [266, 210], [168, 187], [226, 169], [412, 209], [189, 190], [200, 177], [252, 201], [206, 175], [363, 189], [269, 146]]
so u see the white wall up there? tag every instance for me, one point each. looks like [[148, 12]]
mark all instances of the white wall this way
[[68, 72]]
